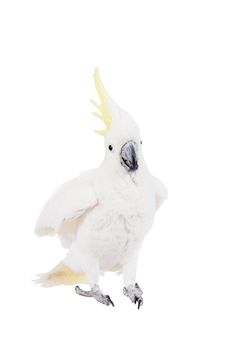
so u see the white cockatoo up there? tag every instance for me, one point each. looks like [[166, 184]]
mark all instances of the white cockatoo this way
[[103, 215]]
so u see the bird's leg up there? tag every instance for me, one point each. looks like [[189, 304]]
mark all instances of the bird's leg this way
[[92, 271], [134, 293], [96, 293], [131, 289]]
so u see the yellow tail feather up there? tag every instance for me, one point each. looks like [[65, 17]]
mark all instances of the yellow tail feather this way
[[61, 274]]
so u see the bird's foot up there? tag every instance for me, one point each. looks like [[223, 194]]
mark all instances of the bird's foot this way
[[134, 293], [96, 293]]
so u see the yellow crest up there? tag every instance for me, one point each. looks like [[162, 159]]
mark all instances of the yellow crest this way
[[104, 113]]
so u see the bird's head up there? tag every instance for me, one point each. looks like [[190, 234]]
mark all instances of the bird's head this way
[[122, 138]]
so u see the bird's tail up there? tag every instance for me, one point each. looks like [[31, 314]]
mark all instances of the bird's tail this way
[[60, 274]]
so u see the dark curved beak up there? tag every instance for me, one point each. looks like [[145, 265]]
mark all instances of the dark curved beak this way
[[129, 156]]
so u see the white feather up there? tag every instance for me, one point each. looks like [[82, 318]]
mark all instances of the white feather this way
[[63, 211], [161, 193]]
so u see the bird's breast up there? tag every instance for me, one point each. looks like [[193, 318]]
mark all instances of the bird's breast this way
[[117, 224], [121, 227], [129, 213]]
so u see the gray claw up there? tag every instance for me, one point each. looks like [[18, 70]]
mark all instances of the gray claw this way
[[110, 301], [96, 293], [134, 293], [140, 302]]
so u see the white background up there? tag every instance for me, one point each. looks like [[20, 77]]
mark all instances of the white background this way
[[169, 63]]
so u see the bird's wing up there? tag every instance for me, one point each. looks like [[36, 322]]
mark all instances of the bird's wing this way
[[64, 211], [161, 193]]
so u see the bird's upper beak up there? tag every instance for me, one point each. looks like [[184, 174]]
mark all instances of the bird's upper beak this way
[[129, 156]]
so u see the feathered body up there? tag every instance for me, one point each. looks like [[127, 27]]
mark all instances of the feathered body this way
[[103, 215]]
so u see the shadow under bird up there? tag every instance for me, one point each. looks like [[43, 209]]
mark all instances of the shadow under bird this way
[[103, 215]]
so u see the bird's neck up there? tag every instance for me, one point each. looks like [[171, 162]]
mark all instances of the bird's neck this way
[[126, 178]]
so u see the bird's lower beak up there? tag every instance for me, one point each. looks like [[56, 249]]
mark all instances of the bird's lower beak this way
[[129, 156]]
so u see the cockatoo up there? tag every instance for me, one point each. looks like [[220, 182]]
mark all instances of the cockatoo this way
[[103, 215]]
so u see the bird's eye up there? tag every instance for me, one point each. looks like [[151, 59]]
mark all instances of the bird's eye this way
[[141, 142], [110, 147]]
